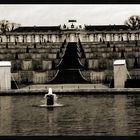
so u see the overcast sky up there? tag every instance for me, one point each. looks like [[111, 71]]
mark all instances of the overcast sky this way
[[46, 15]]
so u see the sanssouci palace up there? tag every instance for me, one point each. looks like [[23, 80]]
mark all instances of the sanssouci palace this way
[[45, 54]]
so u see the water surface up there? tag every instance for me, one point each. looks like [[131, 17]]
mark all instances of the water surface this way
[[98, 115]]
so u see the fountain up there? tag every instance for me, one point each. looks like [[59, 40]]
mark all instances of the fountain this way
[[50, 100]]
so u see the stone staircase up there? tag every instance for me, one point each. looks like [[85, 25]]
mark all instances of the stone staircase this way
[[70, 66]]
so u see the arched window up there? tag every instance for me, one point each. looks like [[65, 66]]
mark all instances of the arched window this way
[[72, 26], [64, 26]]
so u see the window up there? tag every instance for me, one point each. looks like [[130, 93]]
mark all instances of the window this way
[[64, 26], [72, 26]]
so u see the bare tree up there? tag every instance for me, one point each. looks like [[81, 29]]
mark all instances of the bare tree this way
[[13, 26], [5, 26], [133, 22]]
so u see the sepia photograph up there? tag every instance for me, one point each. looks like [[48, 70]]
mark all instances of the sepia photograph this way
[[69, 70]]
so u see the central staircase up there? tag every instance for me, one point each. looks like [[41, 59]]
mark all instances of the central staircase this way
[[70, 66]]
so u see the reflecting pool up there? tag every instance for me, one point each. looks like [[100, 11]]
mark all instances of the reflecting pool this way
[[98, 115]]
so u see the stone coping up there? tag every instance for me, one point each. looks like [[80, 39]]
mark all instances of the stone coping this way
[[72, 91]]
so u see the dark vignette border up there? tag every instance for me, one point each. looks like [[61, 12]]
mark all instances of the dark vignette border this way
[[69, 2]]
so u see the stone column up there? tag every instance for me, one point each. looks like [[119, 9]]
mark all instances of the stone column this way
[[116, 37], [28, 38], [45, 38], [53, 38], [95, 37], [37, 38], [91, 38], [4, 38], [125, 36], [133, 36], [13, 38], [40, 38], [20, 38], [107, 37]]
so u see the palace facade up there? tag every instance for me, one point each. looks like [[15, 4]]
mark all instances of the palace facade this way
[[37, 51], [71, 32]]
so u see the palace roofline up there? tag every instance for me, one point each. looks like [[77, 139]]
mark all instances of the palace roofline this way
[[106, 27], [36, 28], [58, 28]]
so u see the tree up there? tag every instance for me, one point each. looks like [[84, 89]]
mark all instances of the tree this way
[[122, 54], [114, 48], [34, 45], [136, 43], [13, 26], [15, 42], [122, 39], [128, 40], [136, 62], [103, 41], [108, 44], [5, 26], [133, 22], [6, 45], [27, 49], [16, 55]]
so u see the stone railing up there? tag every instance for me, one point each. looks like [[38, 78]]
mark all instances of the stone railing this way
[[52, 75], [85, 75]]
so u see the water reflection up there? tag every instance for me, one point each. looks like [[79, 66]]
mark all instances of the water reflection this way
[[133, 107], [120, 115], [99, 115], [5, 115]]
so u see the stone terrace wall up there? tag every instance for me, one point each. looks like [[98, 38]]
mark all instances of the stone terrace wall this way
[[31, 63], [100, 58]]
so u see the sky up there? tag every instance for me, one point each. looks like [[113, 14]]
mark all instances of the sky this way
[[50, 15]]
